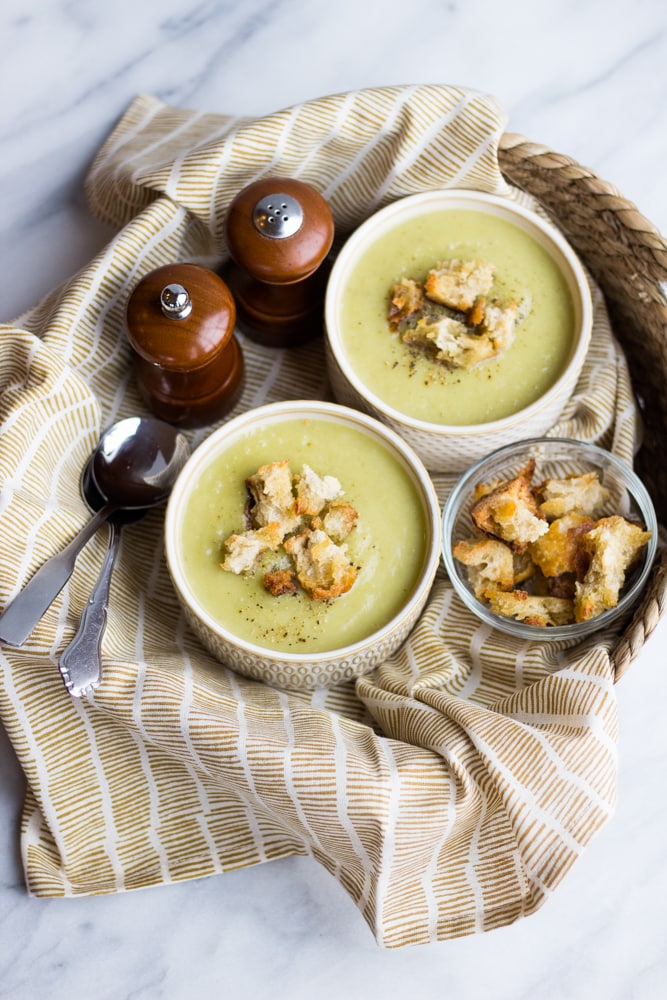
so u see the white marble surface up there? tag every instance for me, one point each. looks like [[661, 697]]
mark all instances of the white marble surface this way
[[585, 77]]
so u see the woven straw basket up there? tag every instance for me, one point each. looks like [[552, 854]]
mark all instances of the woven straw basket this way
[[627, 256]]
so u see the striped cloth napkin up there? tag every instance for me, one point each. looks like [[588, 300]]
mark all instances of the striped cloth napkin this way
[[448, 792]]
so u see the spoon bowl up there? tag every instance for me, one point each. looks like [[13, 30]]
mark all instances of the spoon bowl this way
[[95, 500], [137, 460]]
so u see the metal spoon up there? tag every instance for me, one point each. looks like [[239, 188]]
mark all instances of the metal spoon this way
[[134, 466], [80, 662]]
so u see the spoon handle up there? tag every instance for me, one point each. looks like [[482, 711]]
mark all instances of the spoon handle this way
[[22, 613], [80, 663]]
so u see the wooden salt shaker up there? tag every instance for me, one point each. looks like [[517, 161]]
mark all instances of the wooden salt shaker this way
[[279, 232], [187, 361]]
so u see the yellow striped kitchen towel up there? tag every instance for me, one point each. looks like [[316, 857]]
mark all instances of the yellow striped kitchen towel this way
[[448, 792]]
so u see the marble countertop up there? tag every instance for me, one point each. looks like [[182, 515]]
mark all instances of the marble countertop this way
[[587, 79]]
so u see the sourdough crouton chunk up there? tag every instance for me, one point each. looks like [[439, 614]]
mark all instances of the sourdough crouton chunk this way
[[584, 494], [445, 335], [280, 582], [322, 568], [613, 545], [558, 550], [450, 316], [510, 513], [457, 283], [476, 349], [532, 610], [490, 565], [308, 523], [339, 519], [273, 500], [407, 298], [313, 492], [452, 341], [499, 323], [244, 551], [475, 316]]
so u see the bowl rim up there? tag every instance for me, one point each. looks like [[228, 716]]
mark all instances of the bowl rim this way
[[551, 633], [285, 409], [550, 233]]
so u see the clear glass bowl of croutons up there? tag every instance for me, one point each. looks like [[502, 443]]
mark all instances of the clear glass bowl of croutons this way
[[549, 538]]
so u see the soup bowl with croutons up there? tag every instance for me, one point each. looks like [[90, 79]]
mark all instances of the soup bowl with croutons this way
[[549, 538], [459, 318], [302, 539]]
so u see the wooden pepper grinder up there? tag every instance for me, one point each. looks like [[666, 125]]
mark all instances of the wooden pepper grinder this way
[[279, 232], [188, 363]]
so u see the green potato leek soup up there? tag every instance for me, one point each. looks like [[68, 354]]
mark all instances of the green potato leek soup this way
[[407, 378], [386, 545]]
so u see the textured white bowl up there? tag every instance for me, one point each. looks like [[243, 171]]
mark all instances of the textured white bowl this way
[[300, 670], [446, 447]]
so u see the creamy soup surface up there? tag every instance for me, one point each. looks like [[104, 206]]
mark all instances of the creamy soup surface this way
[[418, 386], [387, 544]]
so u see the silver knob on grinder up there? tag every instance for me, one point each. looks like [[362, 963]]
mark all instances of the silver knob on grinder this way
[[175, 301], [278, 216]]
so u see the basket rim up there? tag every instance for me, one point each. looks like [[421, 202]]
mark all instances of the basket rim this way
[[633, 235]]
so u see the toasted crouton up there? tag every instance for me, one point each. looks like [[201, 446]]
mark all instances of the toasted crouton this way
[[510, 512], [490, 564], [313, 492], [614, 544], [245, 550], [445, 335], [280, 582], [532, 610], [453, 342], [339, 519], [475, 315], [273, 501], [557, 551], [478, 348], [457, 283], [322, 568], [407, 298], [499, 323], [483, 489], [584, 494]]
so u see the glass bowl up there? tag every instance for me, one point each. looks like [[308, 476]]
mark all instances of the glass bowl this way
[[554, 458]]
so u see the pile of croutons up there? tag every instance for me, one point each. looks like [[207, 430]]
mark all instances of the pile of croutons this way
[[303, 519], [452, 317], [542, 554]]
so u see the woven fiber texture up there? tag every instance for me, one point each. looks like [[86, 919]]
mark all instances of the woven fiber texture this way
[[628, 258], [450, 791]]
